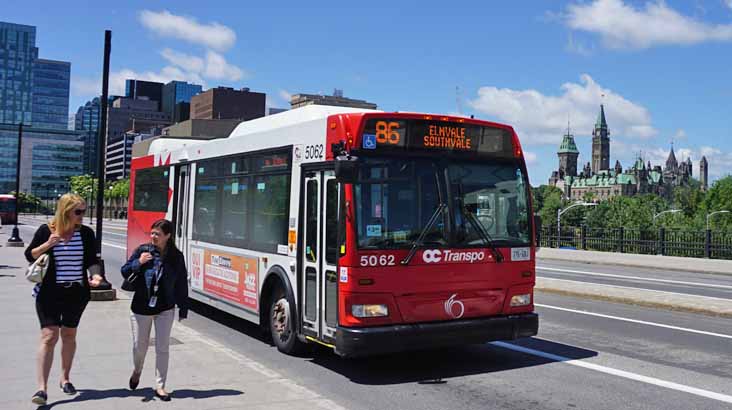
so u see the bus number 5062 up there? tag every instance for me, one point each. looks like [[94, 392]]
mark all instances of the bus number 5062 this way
[[373, 260]]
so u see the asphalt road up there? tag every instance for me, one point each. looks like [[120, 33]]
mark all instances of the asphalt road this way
[[588, 355]]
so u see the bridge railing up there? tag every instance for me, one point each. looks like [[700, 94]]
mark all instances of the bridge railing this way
[[686, 243]]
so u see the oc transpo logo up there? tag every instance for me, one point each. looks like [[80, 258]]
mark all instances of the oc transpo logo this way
[[432, 256], [454, 307]]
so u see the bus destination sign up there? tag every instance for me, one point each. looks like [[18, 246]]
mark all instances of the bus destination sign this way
[[427, 135]]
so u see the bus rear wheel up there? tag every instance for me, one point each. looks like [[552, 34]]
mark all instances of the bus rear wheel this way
[[282, 324]]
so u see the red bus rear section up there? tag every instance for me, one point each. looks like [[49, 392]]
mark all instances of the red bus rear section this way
[[7, 210], [367, 232]]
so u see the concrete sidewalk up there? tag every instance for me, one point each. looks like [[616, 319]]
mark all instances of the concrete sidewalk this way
[[203, 373], [718, 266]]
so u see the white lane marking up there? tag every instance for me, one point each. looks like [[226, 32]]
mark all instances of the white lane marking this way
[[115, 234], [642, 322], [643, 289], [620, 373], [609, 275]]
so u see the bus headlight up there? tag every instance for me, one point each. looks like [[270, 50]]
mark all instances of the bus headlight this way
[[521, 300], [369, 310]]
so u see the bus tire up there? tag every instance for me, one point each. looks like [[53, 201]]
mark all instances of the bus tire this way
[[283, 323]]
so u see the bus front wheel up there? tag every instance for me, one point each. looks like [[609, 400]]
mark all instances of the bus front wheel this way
[[282, 324]]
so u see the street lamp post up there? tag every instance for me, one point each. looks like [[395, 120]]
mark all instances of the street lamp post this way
[[559, 217], [709, 215], [14, 240], [673, 211]]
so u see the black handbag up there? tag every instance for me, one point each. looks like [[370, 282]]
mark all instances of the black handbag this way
[[129, 283]]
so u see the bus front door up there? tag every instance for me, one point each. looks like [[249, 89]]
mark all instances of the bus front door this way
[[319, 255], [180, 211]]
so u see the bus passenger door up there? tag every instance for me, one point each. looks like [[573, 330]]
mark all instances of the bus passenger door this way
[[310, 254], [180, 212], [319, 256]]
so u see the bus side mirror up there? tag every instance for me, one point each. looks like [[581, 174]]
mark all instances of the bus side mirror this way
[[346, 169], [537, 230]]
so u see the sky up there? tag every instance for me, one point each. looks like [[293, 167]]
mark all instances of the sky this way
[[662, 69]]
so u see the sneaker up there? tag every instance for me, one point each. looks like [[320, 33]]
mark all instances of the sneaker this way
[[40, 398], [68, 388]]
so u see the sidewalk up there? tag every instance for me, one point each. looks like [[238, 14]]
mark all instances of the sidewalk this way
[[203, 373], [718, 266]]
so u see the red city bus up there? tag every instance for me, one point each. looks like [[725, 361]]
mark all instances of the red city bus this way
[[7, 209], [365, 231]]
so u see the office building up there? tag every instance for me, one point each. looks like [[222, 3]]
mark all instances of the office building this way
[[337, 99], [51, 94], [86, 122], [177, 97], [124, 116], [223, 103], [17, 53], [49, 157], [144, 90]]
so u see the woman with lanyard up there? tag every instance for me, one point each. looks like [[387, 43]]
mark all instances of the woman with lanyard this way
[[157, 271], [64, 292]]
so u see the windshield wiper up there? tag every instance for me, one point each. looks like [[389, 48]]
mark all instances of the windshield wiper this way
[[479, 227], [417, 242]]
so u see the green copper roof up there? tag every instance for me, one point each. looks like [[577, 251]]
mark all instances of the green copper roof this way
[[568, 145], [601, 123]]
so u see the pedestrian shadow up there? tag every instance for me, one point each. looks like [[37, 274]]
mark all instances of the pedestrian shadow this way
[[437, 366], [145, 395]]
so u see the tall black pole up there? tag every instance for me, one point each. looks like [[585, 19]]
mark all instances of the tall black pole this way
[[14, 239], [101, 148]]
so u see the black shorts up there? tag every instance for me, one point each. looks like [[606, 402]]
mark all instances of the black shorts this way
[[64, 308]]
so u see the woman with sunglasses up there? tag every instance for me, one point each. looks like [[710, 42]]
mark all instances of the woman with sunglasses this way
[[157, 271], [64, 292]]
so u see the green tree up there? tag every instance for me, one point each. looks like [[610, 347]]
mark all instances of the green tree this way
[[718, 198], [27, 203]]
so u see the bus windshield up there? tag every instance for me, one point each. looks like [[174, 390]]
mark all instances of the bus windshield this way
[[478, 204]]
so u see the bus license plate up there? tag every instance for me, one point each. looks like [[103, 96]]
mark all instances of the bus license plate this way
[[520, 254]]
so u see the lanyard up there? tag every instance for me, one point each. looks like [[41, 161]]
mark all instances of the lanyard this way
[[156, 280]]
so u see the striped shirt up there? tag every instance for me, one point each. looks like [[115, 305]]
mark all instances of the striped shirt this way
[[69, 259]]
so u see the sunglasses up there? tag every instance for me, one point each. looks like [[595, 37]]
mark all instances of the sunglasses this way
[[79, 212]]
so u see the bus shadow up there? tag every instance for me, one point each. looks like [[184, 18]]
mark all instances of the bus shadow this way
[[240, 325], [438, 365]]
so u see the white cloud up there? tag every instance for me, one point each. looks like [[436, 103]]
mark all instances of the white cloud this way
[[86, 86], [576, 47], [286, 96], [218, 69], [624, 26], [530, 157], [728, 3], [680, 134], [166, 24], [542, 119], [185, 61]]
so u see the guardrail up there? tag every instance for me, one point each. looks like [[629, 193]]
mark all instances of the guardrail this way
[[694, 244]]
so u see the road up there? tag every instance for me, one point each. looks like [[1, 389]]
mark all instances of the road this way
[[588, 354]]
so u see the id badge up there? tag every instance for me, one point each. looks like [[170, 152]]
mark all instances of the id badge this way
[[153, 301]]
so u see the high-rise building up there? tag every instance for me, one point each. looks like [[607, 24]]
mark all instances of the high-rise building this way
[[124, 116], [51, 94], [223, 103], [337, 99], [176, 98], [49, 157], [86, 121], [144, 90], [17, 53], [35, 92], [600, 144]]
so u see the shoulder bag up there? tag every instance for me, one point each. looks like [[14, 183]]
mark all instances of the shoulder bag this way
[[37, 270]]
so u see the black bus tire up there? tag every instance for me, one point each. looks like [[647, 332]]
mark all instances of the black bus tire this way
[[283, 323]]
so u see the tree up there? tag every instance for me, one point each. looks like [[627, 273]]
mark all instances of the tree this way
[[27, 202], [718, 198]]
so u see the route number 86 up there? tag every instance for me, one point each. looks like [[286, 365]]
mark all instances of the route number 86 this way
[[387, 132]]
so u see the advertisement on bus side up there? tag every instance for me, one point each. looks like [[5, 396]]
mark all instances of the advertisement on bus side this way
[[233, 278]]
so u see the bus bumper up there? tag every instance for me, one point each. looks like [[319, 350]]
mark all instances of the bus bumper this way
[[365, 341]]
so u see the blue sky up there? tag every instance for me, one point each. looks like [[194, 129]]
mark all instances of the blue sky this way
[[662, 69]]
